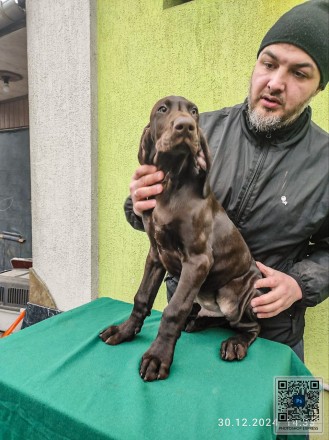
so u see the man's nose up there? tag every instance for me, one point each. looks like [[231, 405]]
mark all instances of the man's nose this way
[[277, 81]]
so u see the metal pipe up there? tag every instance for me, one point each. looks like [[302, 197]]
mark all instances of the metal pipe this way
[[12, 236]]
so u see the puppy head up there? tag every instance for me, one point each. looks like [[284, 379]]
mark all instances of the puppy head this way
[[174, 129]]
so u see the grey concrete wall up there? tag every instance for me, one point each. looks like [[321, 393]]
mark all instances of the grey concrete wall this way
[[62, 68]]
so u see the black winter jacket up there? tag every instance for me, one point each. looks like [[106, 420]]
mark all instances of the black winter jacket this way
[[274, 187]]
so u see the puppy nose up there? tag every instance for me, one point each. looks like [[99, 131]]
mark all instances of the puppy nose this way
[[184, 124]]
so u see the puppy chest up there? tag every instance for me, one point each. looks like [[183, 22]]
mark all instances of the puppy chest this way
[[167, 238], [170, 246]]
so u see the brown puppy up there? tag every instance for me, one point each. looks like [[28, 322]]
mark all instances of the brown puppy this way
[[191, 237]]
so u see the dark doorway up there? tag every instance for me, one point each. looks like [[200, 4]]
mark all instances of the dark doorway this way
[[15, 197]]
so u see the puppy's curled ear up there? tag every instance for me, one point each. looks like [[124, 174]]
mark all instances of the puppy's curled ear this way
[[204, 163], [203, 157], [146, 147]]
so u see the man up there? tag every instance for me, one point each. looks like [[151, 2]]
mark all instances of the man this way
[[269, 171]]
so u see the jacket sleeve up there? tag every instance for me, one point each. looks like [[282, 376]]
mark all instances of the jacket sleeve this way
[[312, 273], [133, 219]]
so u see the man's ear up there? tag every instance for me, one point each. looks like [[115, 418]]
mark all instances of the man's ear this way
[[146, 147]]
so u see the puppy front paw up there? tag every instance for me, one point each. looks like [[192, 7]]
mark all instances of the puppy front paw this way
[[115, 334], [156, 363]]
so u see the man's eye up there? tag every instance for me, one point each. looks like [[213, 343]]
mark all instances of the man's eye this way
[[162, 109], [194, 111], [300, 74], [268, 65]]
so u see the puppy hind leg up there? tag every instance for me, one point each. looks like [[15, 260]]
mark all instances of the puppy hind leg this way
[[200, 319], [236, 346], [242, 319]]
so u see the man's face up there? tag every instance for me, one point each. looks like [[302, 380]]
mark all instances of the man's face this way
[[283, 82]]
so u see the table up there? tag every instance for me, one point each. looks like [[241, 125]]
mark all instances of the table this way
[[59, 381]]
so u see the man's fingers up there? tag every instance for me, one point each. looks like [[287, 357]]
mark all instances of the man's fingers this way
[[147, 175], [147, 191], [145, 181], [145, 205], [144, 185], [284, 291], [267, 315], [269, 283], [143, 170], [269, 309], [267, 271], [151, 179], [268, 298]]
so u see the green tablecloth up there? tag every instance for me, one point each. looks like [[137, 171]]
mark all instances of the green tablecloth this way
[[58, 381]]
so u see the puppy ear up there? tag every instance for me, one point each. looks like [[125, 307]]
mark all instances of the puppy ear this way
[[204, 163], [146, 147], [203, 157]]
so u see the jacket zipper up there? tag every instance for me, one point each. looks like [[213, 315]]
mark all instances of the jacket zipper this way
[[251, 184]]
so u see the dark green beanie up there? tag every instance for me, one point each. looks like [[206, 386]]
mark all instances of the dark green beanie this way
[[307, 27]]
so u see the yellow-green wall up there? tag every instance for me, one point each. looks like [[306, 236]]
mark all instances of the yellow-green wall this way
[[204, 50]]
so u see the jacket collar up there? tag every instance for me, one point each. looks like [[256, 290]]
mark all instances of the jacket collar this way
[[284, 137]]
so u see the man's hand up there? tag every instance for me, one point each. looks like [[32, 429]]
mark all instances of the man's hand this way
[[284, 292], [145, 183]]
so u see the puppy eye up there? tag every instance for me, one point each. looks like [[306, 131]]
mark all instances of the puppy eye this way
[[162, 109], [194, 111]]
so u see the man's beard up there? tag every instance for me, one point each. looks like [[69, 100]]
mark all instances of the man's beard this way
[[269, 122], [263, 123]]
